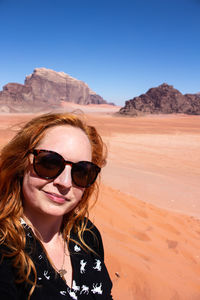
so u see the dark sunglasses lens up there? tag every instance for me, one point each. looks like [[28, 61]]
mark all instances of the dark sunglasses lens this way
[[48, 165], [84, 173]]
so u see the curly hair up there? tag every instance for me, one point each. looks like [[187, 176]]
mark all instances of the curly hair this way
[[13, 163]]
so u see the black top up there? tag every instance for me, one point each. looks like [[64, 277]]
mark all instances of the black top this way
[[90, 276]]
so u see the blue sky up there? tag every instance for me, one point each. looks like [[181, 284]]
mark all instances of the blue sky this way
[[119, 48]]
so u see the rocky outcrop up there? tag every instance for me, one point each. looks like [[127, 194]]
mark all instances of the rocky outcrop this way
[[47, 87], [163, 99]]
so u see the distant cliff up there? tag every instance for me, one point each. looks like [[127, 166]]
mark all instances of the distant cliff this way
[[46, 88], [163, 99]]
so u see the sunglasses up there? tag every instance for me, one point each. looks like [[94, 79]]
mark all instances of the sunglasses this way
[[49, 164]]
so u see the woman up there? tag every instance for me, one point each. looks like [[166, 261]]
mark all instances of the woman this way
[[48, 247]]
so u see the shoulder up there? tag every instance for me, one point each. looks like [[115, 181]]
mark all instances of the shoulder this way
[[92, 229], [92, 238], [5, 263], [7, 281]]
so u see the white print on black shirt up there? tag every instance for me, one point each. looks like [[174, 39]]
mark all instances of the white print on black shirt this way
[[75, 287], [64, 293], [77, 248], [46, 275], [40, 256], [84, 289], [29, 235], [97, 265], [72, 294], [83, 264], [97, 289]]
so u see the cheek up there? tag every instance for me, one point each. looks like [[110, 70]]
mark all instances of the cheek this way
[[27, 189], [25, 184], [78, 193], [30, 185]]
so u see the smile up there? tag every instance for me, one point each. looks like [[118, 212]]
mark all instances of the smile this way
[[56, 197]]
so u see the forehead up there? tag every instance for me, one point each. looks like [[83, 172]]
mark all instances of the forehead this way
[[71, 142]]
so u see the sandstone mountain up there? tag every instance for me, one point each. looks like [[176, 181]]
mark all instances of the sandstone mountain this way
[[46, 88], [163, 99]]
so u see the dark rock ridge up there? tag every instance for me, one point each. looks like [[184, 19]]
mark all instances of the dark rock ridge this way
[[46, 88], [163, 99]]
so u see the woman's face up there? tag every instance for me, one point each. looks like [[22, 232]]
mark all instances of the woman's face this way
[[58, 196]]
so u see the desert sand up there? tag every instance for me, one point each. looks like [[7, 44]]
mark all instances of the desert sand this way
[[148, 210]]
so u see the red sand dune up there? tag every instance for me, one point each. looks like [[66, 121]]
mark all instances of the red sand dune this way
[[148, 209]]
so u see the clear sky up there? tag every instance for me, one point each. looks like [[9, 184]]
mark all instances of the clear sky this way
[[120, 48]]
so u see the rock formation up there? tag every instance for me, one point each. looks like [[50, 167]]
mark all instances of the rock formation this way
[[46, 88], [163, 99]]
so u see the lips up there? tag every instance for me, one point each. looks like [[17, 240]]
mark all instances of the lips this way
[[56, 197]]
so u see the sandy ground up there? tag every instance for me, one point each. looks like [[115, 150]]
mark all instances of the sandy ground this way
[[148, 209]]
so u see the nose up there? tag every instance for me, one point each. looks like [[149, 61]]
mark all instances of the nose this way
[[64, 180]]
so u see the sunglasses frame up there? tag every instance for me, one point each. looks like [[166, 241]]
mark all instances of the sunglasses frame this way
[[36, 152]]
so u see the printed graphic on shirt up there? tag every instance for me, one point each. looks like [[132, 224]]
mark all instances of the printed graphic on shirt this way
[[77, 248], [82, 266], [97, 265], [75, 287], [46, 275], [72, 294], [97, 289], [84, 289], [29, 235], [63, 293], [24, 223]]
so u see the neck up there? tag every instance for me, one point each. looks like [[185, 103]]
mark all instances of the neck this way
[[45, 228]]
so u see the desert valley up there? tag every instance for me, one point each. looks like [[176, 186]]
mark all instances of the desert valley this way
[[148, 209]]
